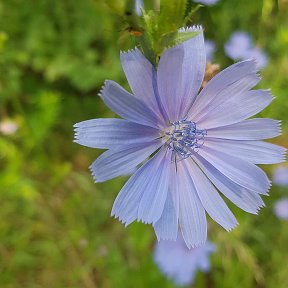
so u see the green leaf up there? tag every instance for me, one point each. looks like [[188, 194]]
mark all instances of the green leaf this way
[[184, 36], [172, 14], [189, 17]]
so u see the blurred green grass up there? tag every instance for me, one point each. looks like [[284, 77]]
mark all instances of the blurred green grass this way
[[55, 228]]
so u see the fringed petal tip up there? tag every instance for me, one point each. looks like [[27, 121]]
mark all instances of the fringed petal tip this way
[[95, 178], [127, 222], [164, 238], [122, 220], [254, 67], [195, 245], [77, 135], [133, 52], [104, 87], [279, 127], [284, 154], [100, 93], [233, 226], [194, 28], [260, 207], [146, 221], [266, 193]]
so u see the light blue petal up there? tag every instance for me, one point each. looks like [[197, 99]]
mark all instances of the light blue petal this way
[[236, 108], [236, 78], [180, 74], [169, 80], [252, 129], [166, 228], [152, 203], [133, 202], [257, 152], [248, 201], [112, 133], [139, 73], [192, 218], [241, 172], [127, 106], [113, 163], [210, 198], [194, 66]]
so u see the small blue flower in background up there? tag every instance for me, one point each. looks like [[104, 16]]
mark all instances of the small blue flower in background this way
[[280, 175], [199, 141], [179, 263], [210, 49], [138, 7], [240, 46], [259, 55], [207, 2], [281, 209]]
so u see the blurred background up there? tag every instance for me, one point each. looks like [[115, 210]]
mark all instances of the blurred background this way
[[55, 224]]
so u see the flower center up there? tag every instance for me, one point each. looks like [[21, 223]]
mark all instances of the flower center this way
[[184, 139]]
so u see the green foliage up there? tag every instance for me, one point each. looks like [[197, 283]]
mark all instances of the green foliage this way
[[158, 29], [171, 15], [56, 229]]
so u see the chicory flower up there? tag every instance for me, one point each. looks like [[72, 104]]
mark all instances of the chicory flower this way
[[197, 142], [179, 263], [240, 46]]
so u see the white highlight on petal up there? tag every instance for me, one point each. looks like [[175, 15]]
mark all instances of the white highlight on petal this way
[[192, 218]]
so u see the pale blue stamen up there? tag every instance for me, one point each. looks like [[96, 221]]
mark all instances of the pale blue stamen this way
[[184, 139]]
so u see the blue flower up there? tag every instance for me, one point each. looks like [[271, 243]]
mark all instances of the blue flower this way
[[280, 175], [179, 263], [138, 7], [281, 209], [240, 47], [207, 2], [199, 141], [210, 49]]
